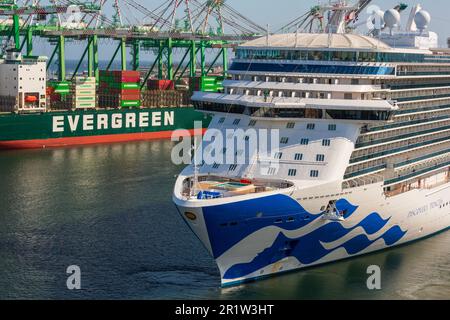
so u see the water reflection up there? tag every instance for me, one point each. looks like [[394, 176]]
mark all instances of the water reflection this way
[[108, 209]]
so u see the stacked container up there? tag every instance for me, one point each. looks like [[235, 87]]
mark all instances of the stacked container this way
[[155, 84], [119, 89], [207, 84], [58, 95], [84, 90], [165, 98], [60, 87]]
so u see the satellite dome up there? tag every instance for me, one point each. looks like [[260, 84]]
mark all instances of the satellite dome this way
[[422, 19], [392, 18]]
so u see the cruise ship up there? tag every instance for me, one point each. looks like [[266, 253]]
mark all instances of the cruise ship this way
[[363, 159]]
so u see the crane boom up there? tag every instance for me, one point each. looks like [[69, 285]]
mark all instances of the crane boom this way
[[47, 10]]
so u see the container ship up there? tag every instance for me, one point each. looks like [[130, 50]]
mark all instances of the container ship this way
[[36, 113], [363, 158]]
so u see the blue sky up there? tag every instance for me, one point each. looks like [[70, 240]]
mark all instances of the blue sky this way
[[278, 13]]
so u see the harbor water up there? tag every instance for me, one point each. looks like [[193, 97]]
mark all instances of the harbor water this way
[[108, 210]]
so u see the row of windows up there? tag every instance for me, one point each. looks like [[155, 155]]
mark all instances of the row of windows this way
[[290, 125], [396, 137], [272, 54], [293, 172], [305, 141], [269, 112], [272, 171], [278, 156], [299, 156], [304, 68], [371, 154], [444, 205]]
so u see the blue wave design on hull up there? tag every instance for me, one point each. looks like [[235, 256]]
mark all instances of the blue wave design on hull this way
[[256, 214], [308, 249]]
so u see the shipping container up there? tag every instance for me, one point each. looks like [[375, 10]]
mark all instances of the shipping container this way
[[207, 84], [130, 103], [119, 89], [8, 103], [155, 84], [168, 98]]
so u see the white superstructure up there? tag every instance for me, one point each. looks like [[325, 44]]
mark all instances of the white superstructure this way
[[363, 161], [24, 78]]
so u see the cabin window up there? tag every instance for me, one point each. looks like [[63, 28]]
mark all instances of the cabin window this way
[[278, 155], [284, 140], [320, 157], [332, 127], [236, 121], [271, 171], [326, 142], [252, 123], [290, 125], [304, 141], [310, 126], [292, 172], [314, 174], [298, 156], [221, 120], [233, 167]]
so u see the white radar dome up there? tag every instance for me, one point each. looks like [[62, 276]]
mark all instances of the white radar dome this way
[[392, 18], [422, 19]]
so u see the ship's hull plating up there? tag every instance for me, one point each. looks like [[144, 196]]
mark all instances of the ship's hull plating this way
[[260, 237], [68, 128]]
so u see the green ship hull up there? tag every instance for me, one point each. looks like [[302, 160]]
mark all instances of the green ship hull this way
[[65, 128]]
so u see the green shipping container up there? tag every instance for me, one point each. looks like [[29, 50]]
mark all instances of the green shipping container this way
[[124, 86], [84, 99], [83, 105], [130, 103], [85, 86], [85, 92]]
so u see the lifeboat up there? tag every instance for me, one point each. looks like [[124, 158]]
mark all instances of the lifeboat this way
[[31, 99]]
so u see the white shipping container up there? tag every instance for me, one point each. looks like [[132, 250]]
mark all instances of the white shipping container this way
[[85, 93], [85, 99], [83, 80]]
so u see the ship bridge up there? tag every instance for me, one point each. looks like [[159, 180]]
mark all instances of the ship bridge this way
[[284, 108]]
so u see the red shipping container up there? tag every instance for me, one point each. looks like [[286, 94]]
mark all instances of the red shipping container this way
[[153, 84], [104, 85], [50, 90], [124, 91], [130, 97], [127, 73], [126, 79], [125, 76]]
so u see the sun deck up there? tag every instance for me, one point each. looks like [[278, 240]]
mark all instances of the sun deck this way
[[213, 187]]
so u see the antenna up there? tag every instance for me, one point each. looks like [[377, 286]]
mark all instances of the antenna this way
[[422, 20], [392, 19]]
